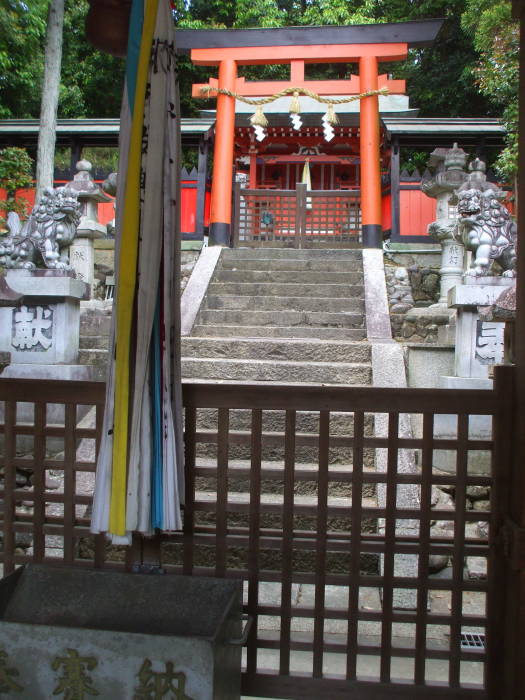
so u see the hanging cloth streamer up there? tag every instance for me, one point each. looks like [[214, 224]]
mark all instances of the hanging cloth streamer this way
[[139, 482]]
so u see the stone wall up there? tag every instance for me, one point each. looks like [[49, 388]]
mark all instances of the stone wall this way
[[105, 256], [412, 281]]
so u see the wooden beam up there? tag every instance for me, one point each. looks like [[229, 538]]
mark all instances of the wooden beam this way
[[202, 170], [394, 188], [261, 88], [319, 53], [418, 34]]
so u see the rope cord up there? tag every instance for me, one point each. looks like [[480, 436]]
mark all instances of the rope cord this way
[[206, 89]]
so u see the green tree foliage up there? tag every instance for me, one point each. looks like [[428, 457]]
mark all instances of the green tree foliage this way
[[337, 12], [495, 36], [91, 81], [22, 33]]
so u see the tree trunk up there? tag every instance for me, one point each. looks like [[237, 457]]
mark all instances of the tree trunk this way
[[48, 111]]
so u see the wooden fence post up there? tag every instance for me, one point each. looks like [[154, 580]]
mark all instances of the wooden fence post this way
[[300, 213], [502, 618], [236, 214]]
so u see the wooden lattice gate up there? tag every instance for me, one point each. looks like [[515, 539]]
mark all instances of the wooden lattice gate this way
[[297, 218], [320, 577]]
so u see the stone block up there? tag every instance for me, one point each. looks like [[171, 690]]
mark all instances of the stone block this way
[[480, 428], [114, 635], [477, 567], [427, 363], [43, 326], [482, 292]]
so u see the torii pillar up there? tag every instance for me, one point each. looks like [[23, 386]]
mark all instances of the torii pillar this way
[[221, 192], [370, 157]]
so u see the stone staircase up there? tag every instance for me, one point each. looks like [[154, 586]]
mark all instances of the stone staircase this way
[[290, 317], [282, 315]]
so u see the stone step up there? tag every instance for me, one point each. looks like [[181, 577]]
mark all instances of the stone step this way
[[275, 452], [275, 420], [317, 277], [274, 303], [96, 358], [233, 331], [93, 323], [94, 342], [93, 356], [293, 253], [284, 276], [272, 518], [280, 318], [274, 349], [335, 501], [296, 265], [283, 289], [277, 371]]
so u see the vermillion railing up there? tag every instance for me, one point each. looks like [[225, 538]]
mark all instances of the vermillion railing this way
[[280, 485]]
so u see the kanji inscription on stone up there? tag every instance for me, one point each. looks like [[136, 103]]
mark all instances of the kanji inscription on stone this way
[[7, 675], [454, 255], [32, 326], [155, 685], [74, 683], [489, 343]]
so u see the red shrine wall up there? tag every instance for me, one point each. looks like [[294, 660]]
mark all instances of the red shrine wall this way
[[106, 210]]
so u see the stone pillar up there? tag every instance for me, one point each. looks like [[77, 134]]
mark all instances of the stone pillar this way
[[221, 189], [479, 344], [81, 251], [370, 156]]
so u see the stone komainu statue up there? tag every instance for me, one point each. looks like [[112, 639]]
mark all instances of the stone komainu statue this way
[[41, 240], [486, 227]]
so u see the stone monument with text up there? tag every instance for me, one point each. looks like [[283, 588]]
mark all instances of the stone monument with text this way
[[40, 313]]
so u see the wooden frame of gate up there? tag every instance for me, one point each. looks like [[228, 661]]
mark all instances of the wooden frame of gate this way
[[248, 520]]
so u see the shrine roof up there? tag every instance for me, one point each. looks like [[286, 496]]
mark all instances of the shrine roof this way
[[410, 125], [89, 131], [417, 34], [423, 131]]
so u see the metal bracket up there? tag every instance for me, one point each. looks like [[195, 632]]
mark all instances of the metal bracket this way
[[513, 538]]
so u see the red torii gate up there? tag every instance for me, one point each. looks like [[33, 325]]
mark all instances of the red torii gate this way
[[366, 45]]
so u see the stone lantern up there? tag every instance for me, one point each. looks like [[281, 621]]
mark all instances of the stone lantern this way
[[449, 175], [81, 252]]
